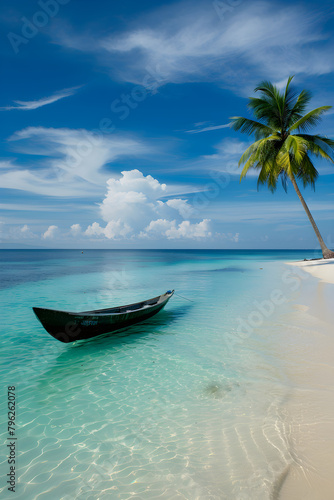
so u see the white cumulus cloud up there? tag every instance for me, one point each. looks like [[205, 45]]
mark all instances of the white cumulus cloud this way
[[185, 229], [8, 232], [50, 233], [114, 229], [136, 199], [182, 206], [134, 206], [76, 230]]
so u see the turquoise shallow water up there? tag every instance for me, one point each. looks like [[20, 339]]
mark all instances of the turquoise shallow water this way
[[186, 405]]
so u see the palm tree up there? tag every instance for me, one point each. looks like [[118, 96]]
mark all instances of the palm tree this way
[[283, 148]]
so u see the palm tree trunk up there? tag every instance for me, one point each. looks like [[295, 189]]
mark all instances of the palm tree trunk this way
[[327, 254]]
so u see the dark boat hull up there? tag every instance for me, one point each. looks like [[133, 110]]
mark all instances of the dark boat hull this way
[[69, 327]]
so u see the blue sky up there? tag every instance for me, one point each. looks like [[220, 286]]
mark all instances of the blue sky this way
[[114, 129]]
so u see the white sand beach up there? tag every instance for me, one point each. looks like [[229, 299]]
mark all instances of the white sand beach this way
[[320, 268], [308, 337]]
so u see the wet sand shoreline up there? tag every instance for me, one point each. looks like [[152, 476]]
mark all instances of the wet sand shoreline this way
[[308, 344]]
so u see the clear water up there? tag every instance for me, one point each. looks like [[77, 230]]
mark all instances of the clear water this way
[[185, 405]]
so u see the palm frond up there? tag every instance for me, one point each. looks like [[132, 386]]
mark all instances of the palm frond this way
[[284, 162], [249, 151], [307, 172], [311, 119], [261, 153], [286, 94], [296, 146], [300, 106], [277, 99], [250, 127], [284, 179], [269, 90], [266, 110], [320, 146], [269, 174], [251, 156], [290, 99]]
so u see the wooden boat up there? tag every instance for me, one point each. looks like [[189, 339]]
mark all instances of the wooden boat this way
[[72, 326]]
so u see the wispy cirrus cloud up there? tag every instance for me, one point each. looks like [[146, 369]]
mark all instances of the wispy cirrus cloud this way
[[224, 158], [63, 162], [199, 130], [72, 162], [290, 210], [188, 42], [28, 207], [44, 101]]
